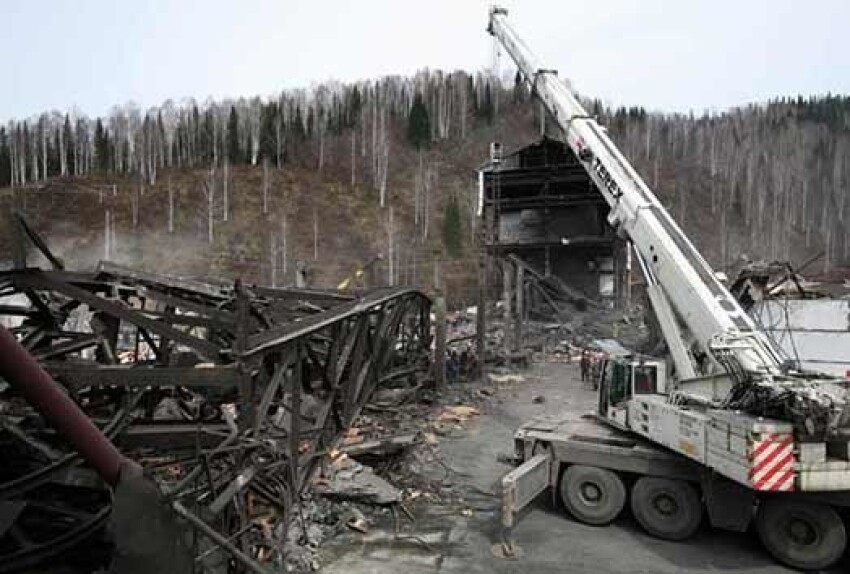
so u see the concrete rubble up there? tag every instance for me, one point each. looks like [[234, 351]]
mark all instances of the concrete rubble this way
[[350, 480]]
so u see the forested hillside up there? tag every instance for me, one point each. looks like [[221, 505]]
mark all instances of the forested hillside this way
[[781, 170], [336, 174]]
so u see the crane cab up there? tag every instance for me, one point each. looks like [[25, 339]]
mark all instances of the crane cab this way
[[622, 377]]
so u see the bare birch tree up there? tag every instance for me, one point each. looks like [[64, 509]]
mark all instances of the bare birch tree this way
[[107, 234], [391, 248], [225, 184], [170, 207], [315, 234], [283, 246], [265, 186], [208, 186], [273, 257]]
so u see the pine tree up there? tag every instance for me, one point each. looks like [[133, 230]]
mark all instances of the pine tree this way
[[268, 133], [53, 155], [207, 139], [101, 147], [298, 124], [68, 135], [22, 136], [487, 110], [311, 121], [233, 152], [519, 88], [453, 227], [5, 160], [470, 89], [419, 124], [354, 105]]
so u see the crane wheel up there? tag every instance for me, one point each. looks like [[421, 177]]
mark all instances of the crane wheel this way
[[665, 508], [592, 495], [806, 536]]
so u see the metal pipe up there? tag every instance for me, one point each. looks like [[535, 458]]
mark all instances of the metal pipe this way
[[25, 375]]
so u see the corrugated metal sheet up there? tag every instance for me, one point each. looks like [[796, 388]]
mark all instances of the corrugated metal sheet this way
[[817, 332]]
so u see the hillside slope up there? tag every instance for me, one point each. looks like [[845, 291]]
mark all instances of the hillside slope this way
[[763, 182]]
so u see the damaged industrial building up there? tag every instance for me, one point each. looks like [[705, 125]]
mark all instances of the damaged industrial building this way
[[306, 400], [539, 204]]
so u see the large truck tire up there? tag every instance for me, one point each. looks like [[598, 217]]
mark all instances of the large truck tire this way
[[592, 495], [803, 535], [665, 508]]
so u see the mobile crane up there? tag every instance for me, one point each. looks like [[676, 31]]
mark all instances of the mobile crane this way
[[734, 430]]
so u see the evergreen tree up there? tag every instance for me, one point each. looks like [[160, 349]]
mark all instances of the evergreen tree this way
[[22, 137], [519, 88], [470, 89], [268, 133], [207, 139], [194, 133], [146, 138], [101, 147], [53, 153], [233, 152], [26, 150], [453, 227], [298, 123], [597, 110], [5, 160], [419, 124], [68, 135], [354, 105], [310, 121], [160, 132], [487, 110]]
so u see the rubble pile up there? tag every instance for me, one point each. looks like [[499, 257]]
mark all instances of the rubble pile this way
[[386, 465], [547, 341], [228, 396]]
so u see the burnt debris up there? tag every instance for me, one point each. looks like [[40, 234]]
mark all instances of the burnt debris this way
[[228, 395]]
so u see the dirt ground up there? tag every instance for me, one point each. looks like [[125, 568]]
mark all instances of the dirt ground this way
[[460, 538]]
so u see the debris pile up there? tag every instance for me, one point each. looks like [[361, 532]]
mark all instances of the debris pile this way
[[383, 469], [228, 395], [347, 479]]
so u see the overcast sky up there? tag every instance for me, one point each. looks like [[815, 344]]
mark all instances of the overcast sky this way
[[663, 54]]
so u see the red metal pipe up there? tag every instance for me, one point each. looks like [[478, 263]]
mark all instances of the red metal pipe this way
[[26, 376]]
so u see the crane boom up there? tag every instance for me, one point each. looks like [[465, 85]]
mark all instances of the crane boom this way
[[706, 329], [704, 304]]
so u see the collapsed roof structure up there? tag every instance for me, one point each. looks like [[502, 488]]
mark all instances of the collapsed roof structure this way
[[229, 395]]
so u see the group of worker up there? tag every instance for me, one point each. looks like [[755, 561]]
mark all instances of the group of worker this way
[[461, 366], [590, 365], [464, 366]]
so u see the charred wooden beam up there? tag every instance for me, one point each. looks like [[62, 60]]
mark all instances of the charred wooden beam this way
[[135, 276], [38, 280], [37, 240], [77, 376], [77, 342]]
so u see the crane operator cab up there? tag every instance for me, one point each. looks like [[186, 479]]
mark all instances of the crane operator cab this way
[[623, 377]]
